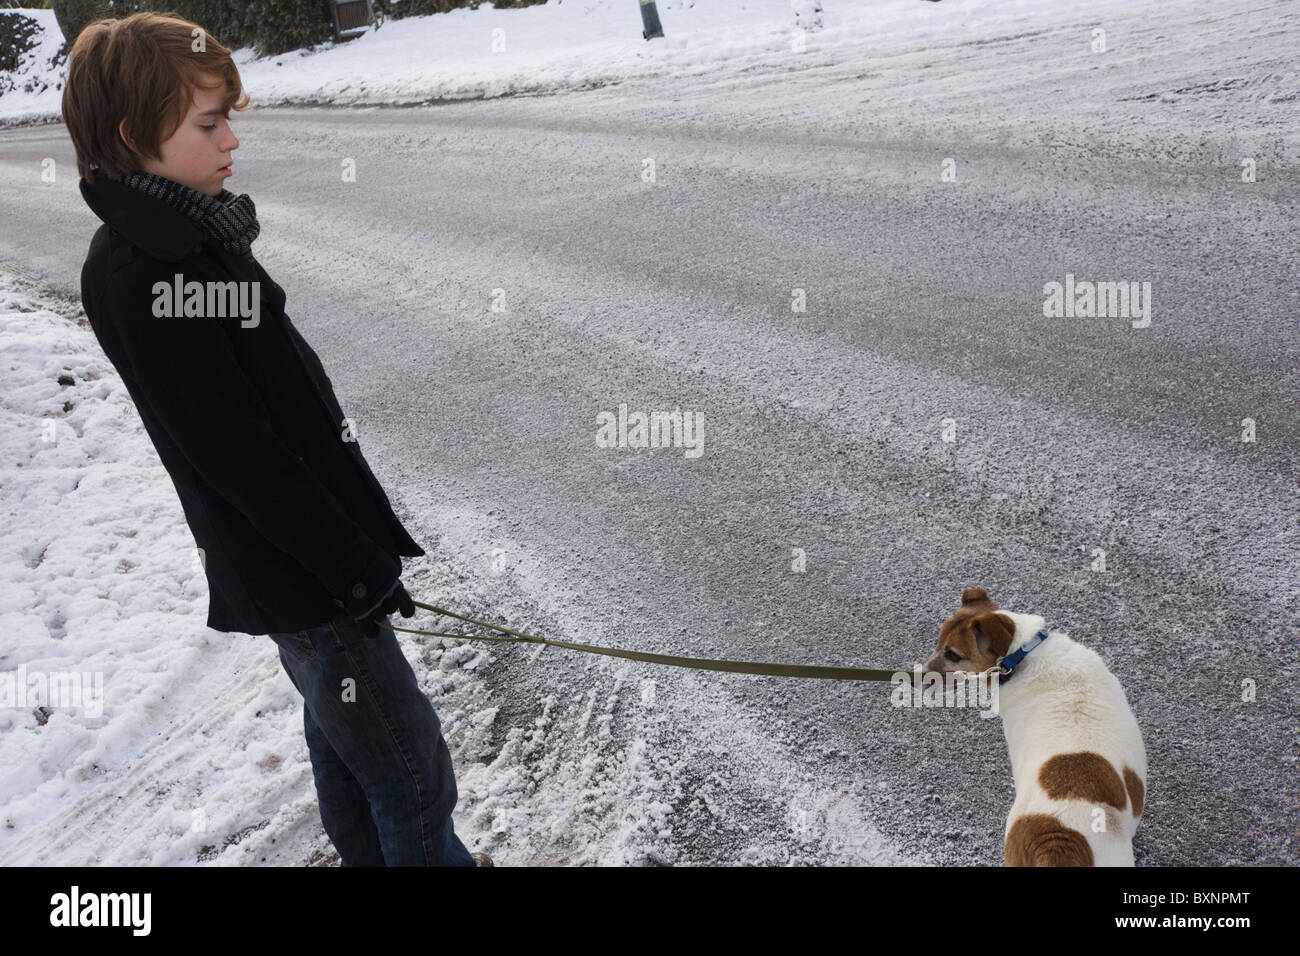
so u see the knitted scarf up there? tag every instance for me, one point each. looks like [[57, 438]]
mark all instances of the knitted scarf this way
[[230, 219]]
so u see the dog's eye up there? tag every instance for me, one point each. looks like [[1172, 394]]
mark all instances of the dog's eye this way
[[952, 655]]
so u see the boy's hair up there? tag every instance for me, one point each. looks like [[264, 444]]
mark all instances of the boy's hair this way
[[142, 69]]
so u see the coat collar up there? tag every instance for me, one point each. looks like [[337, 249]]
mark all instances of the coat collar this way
[[146, 222]]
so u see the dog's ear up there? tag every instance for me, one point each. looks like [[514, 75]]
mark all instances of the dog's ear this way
[[993, 633], [973, 595]]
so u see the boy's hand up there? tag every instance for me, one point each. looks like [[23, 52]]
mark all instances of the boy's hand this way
[[399, 600], [394, 601]]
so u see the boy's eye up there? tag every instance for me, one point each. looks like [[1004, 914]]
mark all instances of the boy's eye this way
[[213, 126]]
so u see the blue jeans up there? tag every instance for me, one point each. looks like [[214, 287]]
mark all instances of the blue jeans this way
[[383, 772]]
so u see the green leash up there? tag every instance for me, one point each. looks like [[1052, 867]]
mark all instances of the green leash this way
[[672, 660]]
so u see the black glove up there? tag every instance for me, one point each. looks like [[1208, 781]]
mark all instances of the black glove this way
[[395, 600]]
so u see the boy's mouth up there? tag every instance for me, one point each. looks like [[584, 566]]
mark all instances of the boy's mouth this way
[[227, 169]]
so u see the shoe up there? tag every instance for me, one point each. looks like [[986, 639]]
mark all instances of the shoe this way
[[481, 859]]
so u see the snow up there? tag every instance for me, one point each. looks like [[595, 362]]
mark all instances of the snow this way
[[565, 46]]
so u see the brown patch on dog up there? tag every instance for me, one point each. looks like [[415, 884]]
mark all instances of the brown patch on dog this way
[[1136, 792], [1037, 839], [1082, 776]]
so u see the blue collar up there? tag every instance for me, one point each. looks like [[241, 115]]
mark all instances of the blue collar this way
[[1015, 657]]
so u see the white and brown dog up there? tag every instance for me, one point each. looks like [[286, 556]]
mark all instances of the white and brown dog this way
[[1077, 755]]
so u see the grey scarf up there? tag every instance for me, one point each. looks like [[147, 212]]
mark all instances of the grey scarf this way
[[230, 219]]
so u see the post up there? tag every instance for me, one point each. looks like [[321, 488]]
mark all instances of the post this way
[[650, 20]]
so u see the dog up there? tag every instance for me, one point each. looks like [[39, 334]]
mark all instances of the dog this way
[[1077, 756]]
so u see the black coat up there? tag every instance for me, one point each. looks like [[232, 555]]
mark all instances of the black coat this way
[[292, 524]]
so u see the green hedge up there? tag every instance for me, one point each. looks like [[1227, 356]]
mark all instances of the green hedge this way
[[18, 34], [269, 26], [396, 9]]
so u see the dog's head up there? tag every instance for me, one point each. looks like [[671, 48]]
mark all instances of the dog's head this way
[[974, 638]]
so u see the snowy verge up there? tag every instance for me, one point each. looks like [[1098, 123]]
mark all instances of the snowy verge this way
[[130, 733], [183, 741], [557, 46]]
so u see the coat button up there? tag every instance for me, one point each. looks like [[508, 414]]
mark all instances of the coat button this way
[[358, 590]]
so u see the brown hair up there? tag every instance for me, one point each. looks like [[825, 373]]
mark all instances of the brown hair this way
[[140, 72]]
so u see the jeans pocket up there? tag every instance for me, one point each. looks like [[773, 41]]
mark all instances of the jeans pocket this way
[[297, 644]]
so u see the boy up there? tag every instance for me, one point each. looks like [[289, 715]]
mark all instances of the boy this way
[[297, 538]]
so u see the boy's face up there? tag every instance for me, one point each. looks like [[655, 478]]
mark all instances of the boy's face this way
[[197, 154]]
